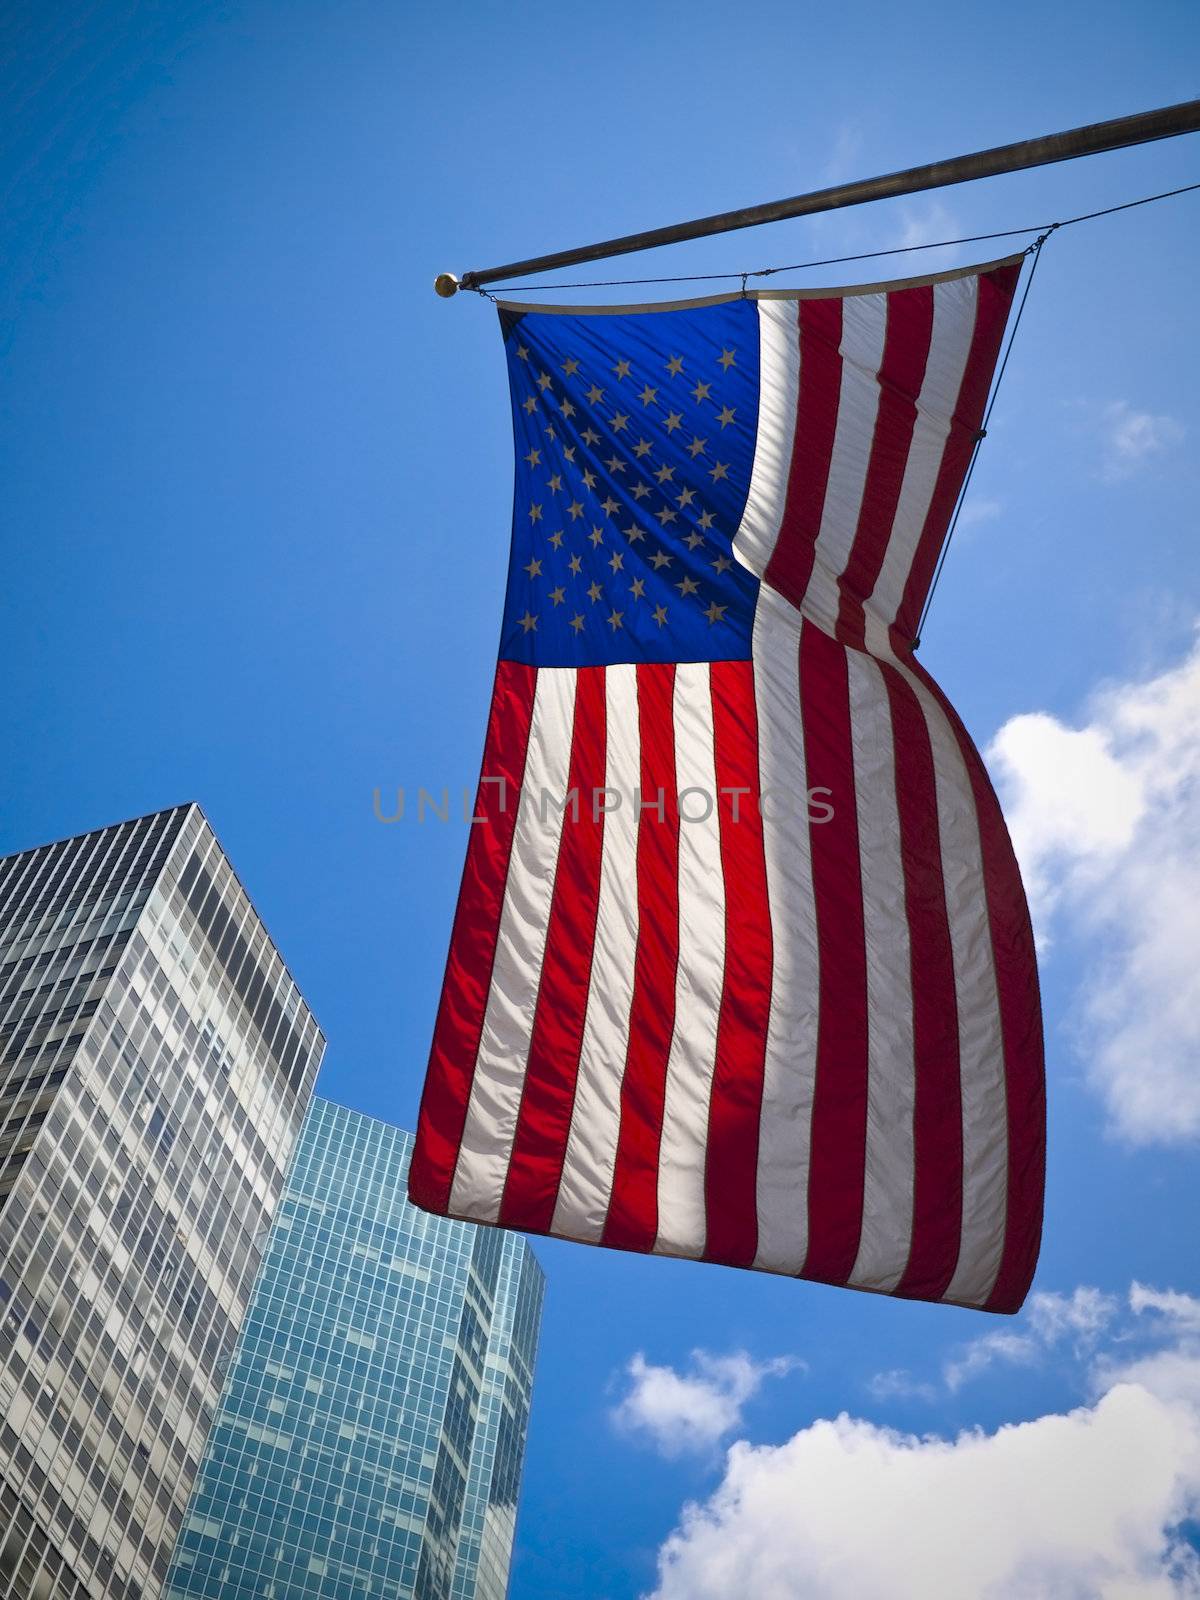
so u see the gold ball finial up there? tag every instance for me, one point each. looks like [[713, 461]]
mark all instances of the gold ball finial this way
[[446, 284]]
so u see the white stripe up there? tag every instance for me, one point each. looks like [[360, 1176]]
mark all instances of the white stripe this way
[[587, 1175], [954, 307], [891, 1080], [864, 328], [699, 975], [980, 1040], [778, 394], [495, 1101], [789, 1066]]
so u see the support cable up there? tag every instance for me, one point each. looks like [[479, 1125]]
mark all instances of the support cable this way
[[1119, 133], [832, 261], [1035, 250]]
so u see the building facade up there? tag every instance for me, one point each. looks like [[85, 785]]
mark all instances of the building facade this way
[[371, 1439], [156, 1062]]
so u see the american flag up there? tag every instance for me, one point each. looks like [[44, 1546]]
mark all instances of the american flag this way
[[741, 968]]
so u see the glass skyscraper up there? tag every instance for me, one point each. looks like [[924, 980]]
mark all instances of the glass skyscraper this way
[[371, 1438], [156, 1061]]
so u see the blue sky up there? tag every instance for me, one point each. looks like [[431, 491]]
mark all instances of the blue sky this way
[[256, 491]]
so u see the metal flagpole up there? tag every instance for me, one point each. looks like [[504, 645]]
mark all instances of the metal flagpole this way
[[1118, 134]]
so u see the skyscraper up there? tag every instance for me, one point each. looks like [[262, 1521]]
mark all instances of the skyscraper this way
[[371, 1438], [156, 1061]]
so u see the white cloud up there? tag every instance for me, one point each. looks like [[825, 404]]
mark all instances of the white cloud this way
[[1048, 1320], [1070, 1506], [1019, 1348], [1173, 1370], [1086, 1505], [679, 1412], [1081, 1316], [1132, 438], [977, 510], [899, 1384], [845, 158], [928, 222], [1106, 821], [1182, 1310]]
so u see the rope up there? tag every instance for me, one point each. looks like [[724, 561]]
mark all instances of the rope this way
[[1035, 250], [1044, 228]]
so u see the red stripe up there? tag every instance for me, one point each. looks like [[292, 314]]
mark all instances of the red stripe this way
[[905, 353], [839, 1118], [632, 1222], [937, 1111], [790, 566], [731, 1157], [1020, 1026], [994, 302], [548, 1095], [468, 976]]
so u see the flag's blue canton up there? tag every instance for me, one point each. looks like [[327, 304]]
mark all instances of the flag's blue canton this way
[[635, 440]]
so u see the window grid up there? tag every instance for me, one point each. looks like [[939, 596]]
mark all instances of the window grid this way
[[138, 1203], [356, 1449]]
